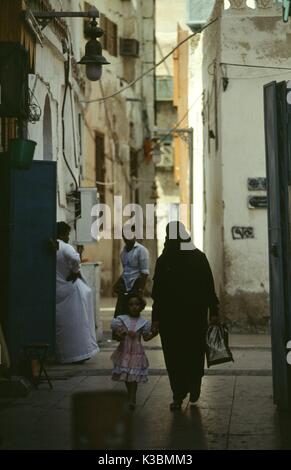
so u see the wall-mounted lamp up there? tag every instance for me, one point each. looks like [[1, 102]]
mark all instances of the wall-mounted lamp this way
[[93, 58]]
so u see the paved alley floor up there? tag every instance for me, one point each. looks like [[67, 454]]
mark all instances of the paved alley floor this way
[[235, 410]]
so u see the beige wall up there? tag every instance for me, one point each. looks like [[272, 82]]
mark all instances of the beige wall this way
[[171, 188], [181, 169], [169, 14]]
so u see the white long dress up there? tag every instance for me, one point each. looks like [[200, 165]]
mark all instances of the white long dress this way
[[75, 325]]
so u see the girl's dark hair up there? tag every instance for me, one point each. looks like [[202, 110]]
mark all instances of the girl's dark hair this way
[[141, 300]]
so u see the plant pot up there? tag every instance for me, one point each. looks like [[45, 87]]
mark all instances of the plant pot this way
[[21, 153]]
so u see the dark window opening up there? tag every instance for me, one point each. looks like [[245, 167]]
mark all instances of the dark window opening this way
[[100, 166]]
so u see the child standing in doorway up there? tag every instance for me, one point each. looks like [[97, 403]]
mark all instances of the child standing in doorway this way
[[130, 363]]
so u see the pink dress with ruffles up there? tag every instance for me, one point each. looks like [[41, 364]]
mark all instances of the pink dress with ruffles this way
[[130, 363]]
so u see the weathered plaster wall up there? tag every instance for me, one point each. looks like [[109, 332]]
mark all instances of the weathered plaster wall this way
[[203, 117], [247, 33], [255, 37]]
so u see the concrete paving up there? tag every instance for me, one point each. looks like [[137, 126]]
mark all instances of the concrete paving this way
[[235, 410]]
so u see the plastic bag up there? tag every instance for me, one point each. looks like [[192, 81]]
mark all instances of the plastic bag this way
[[217, 349]]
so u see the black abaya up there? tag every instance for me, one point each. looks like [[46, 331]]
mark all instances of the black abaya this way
[[183, 291]]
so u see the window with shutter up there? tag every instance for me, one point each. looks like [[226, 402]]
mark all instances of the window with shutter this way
[[103, 25]]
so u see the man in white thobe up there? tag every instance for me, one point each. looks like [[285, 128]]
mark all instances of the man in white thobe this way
[[75, 325]]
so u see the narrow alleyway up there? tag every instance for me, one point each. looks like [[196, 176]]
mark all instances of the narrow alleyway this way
[[235, 410]]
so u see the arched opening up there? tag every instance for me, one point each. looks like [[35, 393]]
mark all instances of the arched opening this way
[[47, 131]]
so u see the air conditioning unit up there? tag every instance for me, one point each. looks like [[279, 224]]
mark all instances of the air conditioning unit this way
[[129, 47], [198, 13], [88, 198]]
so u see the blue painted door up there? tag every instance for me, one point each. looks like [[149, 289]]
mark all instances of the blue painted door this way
[[30, 261]]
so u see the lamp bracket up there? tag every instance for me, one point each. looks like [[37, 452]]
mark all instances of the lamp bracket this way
[[44, 17], [185, 134]]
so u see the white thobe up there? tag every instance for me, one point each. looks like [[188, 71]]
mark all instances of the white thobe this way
[[75, 325]]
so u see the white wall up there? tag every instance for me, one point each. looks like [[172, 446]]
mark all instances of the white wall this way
[[48, 81], [255, 37], [207, 181], [248, 34]]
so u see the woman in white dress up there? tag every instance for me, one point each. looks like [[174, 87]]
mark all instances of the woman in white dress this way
[[75, 325]]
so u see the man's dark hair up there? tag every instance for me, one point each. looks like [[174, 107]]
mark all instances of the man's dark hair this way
[[62, 228]]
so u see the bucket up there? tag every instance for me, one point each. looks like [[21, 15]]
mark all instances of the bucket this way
[[21, 153]]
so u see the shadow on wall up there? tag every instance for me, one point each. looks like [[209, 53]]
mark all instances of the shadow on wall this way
[[246, 312]]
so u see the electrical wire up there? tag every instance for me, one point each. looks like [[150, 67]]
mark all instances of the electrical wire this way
[[172, 130], [162, 56], [67, 72], [256, 66], [225, 75], [113, 137], [256, 76], [95, 100]]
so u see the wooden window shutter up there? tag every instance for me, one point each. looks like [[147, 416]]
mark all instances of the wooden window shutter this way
[[103, 25]]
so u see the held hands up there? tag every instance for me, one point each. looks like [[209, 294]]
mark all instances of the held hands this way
[[154, 331]]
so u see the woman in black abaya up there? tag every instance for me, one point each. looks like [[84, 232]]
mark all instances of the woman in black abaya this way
[[183, 292]]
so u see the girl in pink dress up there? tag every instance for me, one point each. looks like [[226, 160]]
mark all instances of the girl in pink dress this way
[[130, 364]]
